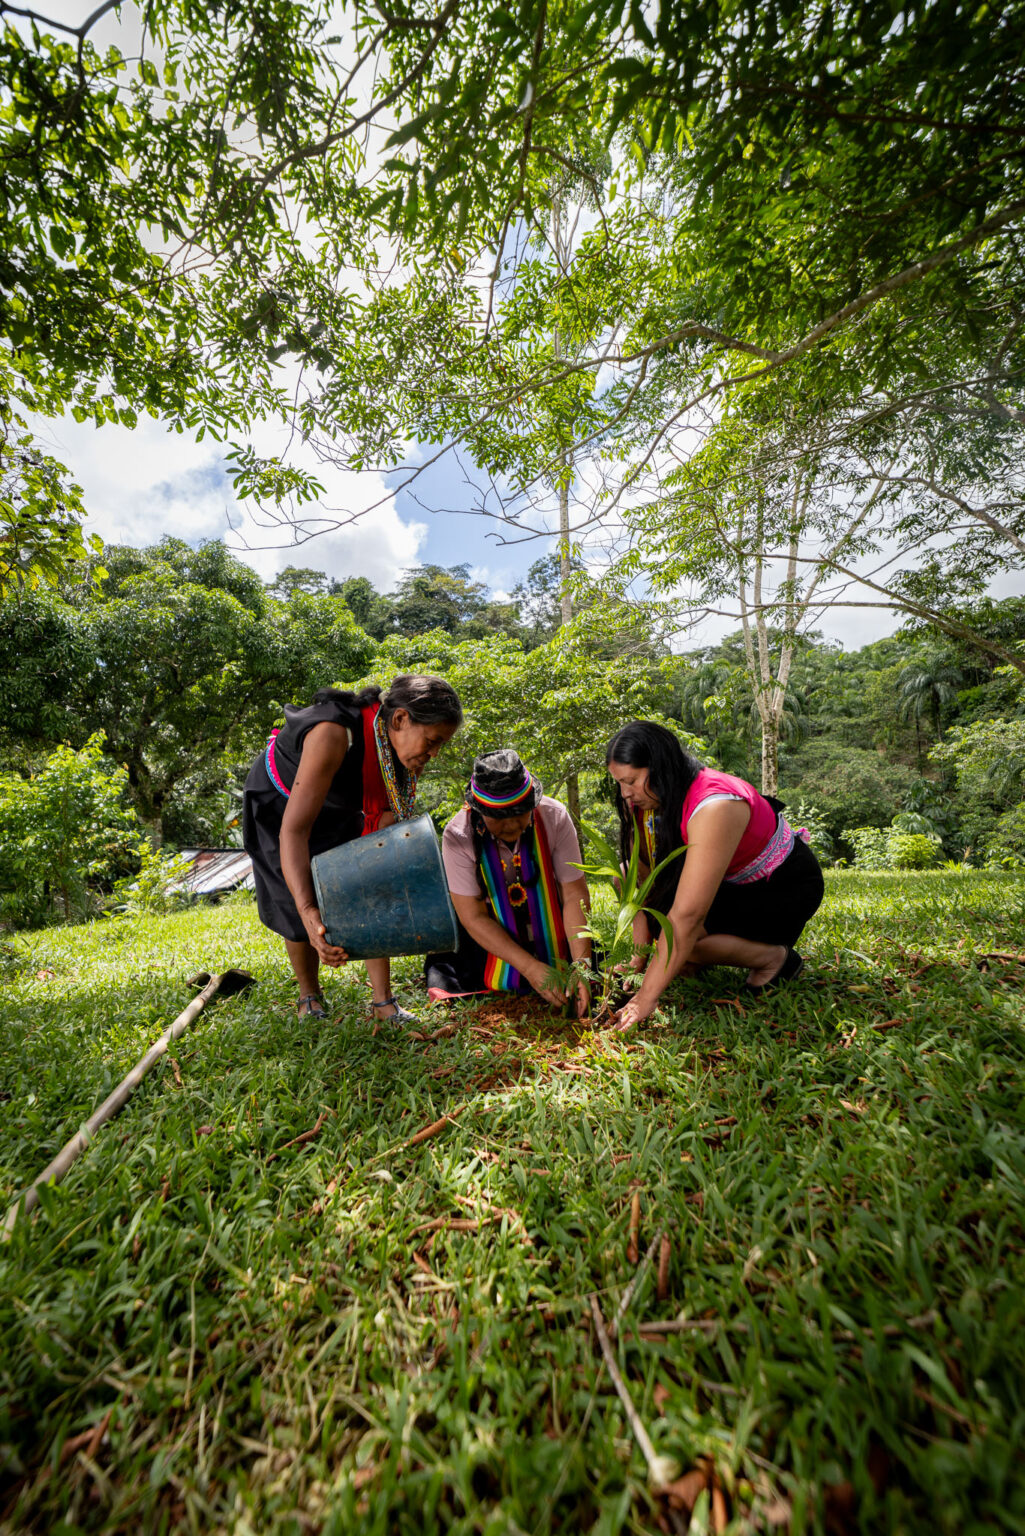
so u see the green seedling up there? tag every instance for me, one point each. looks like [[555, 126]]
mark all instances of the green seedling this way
[[631, 894]]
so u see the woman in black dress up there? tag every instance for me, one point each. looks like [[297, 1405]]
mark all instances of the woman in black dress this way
[[339, 768]]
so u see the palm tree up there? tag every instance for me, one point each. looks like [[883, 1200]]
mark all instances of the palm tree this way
[[924, 686]]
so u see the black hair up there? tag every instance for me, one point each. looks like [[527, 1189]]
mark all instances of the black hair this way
[[426, 700], [671, 772]]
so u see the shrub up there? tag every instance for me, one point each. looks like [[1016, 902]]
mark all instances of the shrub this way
[[868, 845], [847, 785], [152, 889], [65, 832], [913, 850], [894, 848], [1004, 848], [803, 814]]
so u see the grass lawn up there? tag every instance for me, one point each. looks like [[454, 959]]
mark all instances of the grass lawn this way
[[206, 1329]]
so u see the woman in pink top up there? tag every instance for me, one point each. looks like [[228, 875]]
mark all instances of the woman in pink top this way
[[743, 890]]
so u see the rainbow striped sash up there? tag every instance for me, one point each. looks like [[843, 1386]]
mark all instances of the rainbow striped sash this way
[[542, 908]]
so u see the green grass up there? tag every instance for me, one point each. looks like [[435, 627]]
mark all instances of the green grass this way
[[281, 1350]]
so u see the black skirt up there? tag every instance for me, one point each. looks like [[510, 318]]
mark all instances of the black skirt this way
[[460, 969], [773, 910], [263, 806], [261, 836]]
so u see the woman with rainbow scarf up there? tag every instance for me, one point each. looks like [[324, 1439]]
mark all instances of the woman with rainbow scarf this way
[[510, 858], [338, 769]]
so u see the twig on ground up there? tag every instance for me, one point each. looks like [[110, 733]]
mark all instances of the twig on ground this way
[[664, 1254], [434, 1129], [635, 1279], [632, 1251], [661, 1469], [712, 1324], [457, 1224], [298, 1141]]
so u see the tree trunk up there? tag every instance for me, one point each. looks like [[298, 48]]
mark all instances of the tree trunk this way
[[560, 244], [770, 753], [565, 569]]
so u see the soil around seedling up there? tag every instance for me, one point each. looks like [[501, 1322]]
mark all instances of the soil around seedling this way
[[501, 1010]]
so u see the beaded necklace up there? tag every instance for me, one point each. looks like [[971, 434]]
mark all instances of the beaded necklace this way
[[401, 797], [516, 889]]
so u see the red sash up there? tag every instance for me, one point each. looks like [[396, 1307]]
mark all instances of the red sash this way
[[375, 795]]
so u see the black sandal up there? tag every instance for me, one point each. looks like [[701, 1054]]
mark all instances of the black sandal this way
[[320, 1012]]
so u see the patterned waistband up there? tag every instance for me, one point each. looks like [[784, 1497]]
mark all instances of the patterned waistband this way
[[776, 851], [272, 772]]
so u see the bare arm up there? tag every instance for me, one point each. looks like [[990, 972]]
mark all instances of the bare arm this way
[[713, 837], [323, 752]]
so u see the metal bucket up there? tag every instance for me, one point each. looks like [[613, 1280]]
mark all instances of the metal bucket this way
[[386, 893]]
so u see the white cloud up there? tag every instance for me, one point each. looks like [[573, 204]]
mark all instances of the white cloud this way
[[140, 485]]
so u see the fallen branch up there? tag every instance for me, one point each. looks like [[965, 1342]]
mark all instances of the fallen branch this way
[[299, 1141], [661, 1469], [456, 1224]]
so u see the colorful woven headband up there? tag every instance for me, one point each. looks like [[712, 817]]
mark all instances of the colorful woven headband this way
[[500, 802]]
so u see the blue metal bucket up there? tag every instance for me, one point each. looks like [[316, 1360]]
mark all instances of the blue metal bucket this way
[[386, 893]]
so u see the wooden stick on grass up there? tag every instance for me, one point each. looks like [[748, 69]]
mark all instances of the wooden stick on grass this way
[[227, 984], [661, 1469], [664, 1254], [434, 1129]]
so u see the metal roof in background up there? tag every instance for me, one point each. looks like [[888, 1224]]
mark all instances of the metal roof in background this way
[[216, 869]]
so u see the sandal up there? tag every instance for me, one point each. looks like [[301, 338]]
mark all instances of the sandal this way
[[311, 1011], [793, 965], [400, 1016]]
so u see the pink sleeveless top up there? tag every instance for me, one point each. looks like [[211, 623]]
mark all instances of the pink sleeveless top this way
[[759, 830]]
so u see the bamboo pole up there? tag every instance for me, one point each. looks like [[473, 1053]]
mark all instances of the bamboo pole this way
[[228, 983]]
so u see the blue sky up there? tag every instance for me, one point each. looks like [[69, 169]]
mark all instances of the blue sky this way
[[140, 485]]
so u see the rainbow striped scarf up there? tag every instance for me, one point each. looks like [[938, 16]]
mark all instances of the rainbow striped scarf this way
[[542, 907]]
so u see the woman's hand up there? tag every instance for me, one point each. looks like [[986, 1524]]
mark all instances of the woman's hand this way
[[583, 1000], [540, 977], [628, 972], [330, 954], [631, 1013]]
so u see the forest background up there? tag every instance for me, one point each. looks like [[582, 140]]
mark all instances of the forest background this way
[[733, 301], [135, 705]]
